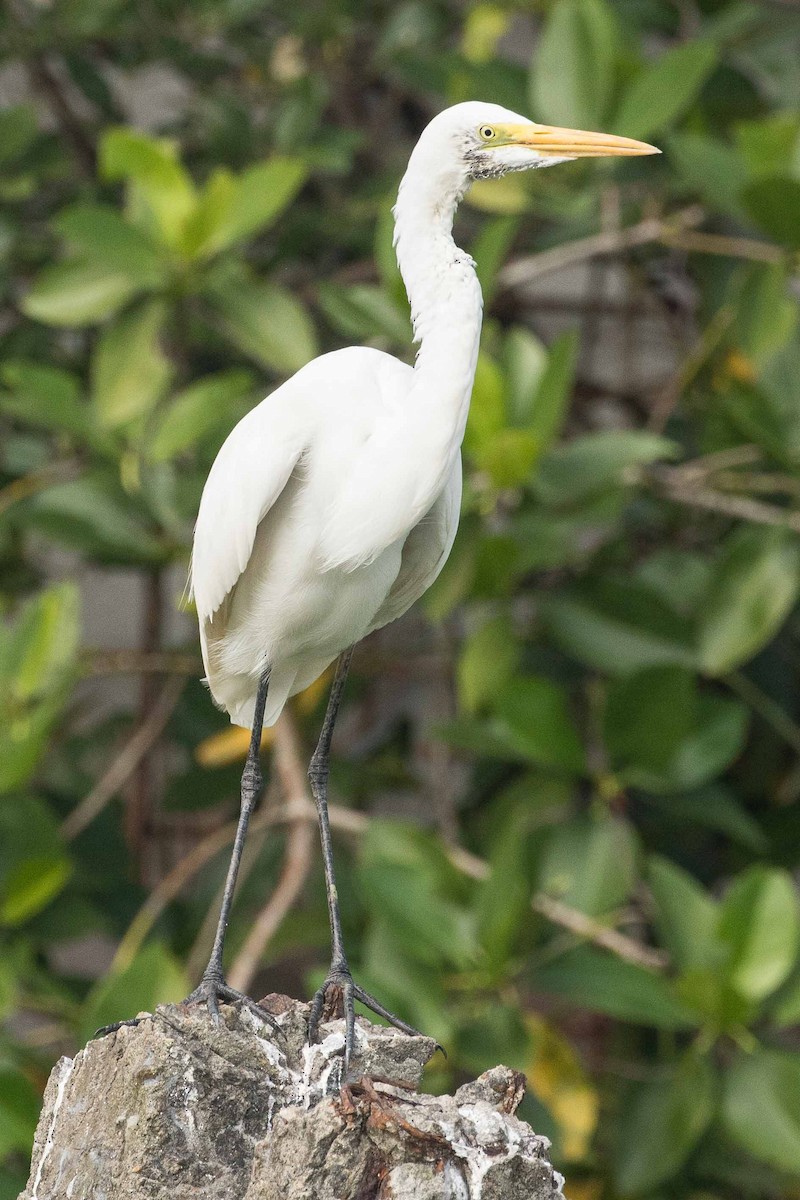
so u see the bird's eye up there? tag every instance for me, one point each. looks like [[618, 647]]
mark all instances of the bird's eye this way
[[487, 133]]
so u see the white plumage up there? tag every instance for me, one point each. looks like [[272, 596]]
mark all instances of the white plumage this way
[[333, 505]]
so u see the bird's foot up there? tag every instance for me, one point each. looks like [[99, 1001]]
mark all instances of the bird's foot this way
[[104, 1030], [213, 988], [337, 997]]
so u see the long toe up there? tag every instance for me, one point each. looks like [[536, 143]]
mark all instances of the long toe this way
[[104, 1030], [212, 990], [375, 1006], [349, 991]]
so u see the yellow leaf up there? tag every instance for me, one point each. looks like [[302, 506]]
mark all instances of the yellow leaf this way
[[559, 1081], [739, 367], [483, 28], [585, 1189], [228, 746], [231, 745], [506, 196]]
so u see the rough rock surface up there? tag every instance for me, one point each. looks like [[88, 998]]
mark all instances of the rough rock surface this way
[[174, 1108]]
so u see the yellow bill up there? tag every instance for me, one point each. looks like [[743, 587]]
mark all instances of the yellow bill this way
[[554, 142]]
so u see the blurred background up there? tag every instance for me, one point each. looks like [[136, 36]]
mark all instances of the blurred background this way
[[566, 791]]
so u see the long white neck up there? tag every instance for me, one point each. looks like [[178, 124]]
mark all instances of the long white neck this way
[[413, 450], [444, 293]]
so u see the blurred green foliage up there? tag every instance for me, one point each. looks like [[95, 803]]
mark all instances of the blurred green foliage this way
[[620, 610]]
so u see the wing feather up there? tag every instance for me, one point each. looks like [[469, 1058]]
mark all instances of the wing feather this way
[[425, 551], [249, 473]]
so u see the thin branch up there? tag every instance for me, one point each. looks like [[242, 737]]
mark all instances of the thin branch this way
[[35, 481], [126, 762], [719, 243], [612, 241], [46, 82], [300, 809], [593, 931], [674, 484], [137, 662], [298, 856], [767, 708]]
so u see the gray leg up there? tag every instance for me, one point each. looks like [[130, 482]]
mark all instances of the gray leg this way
[[213, 986], [339, 975]]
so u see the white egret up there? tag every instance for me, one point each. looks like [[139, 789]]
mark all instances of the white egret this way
[[333, 504]]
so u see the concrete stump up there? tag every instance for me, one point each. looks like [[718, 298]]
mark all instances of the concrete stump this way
[[174, 1109]]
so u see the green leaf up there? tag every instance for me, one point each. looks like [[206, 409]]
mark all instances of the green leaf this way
[[767, 145], [101, 235], [760, 921], [43, 396], [79, 293], [647, 715], [590, 864], [710, 748], [154, 977], [525, 360], [662, 1122], [774, 205], [130, 372], [490, 251], [597, 461], [665, 89], [533, 719], [618, 627], [364, 311], [408, 877], [231, 210], [487, 410], [767, 312], [761, 1107], [509, 456], [94, 514], [88, 18], [19, 1111], [711, 168], [503, 901], [714, 741], [265, 322], [755, 582], [592, 979], [18, 129], [486, 663], [572, 77], [713, 806], [196, 412], [23, 737], [30, 886], [42, 643], [162, 196], [552, 396], [685, 914]]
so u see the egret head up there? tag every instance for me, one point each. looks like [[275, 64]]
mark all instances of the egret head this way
[[482, 141]]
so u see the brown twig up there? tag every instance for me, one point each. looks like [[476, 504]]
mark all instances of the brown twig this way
[[300, 809], [297, 859], [138, 662], [697, 242], [126, 762], [140, 798], [597, 933], [612, 241], [679, 487], [46, 82]]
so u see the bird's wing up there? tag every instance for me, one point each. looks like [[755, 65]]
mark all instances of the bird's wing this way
[[425, 551], [249, 473]]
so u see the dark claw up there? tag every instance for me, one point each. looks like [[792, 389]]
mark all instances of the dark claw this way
[[104, 1030], [342, 981], [211, 990]]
